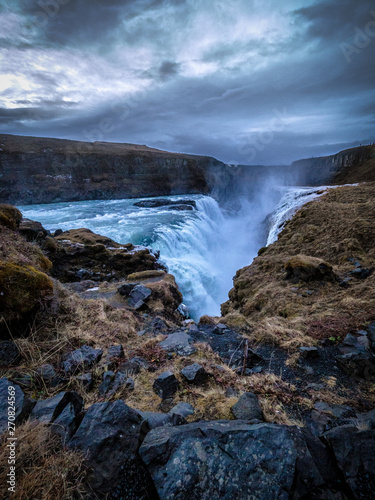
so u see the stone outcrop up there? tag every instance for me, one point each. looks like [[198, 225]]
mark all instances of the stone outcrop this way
[[109, 436], [235, 460]]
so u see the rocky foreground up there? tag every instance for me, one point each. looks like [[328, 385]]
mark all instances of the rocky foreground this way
[[118, 395]]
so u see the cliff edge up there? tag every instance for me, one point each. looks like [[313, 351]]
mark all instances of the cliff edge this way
[[42, 170], [346, 167]]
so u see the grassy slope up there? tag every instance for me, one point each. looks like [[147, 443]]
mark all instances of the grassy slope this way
[[337, 227]]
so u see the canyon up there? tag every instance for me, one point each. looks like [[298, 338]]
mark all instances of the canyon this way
[[120, 395], [41, 170]]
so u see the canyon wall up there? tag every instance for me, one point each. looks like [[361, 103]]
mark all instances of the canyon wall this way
[[40, 170], [346, 167]]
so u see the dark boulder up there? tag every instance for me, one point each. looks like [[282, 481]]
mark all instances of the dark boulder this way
[[309, 352], [114, 355], [154, 420], [86, 380], [12, 397], [66, 423], [183, 409], [133, 366], [248, 408], [195, 374], [108, 378], [178, 342], [352, 343], [112, 383], [126, 288], [138, 296], [220, 328], [229, 345], [233, 460], [32, 230], [354, 453], [166, 385], [109, 437], [367, 419], [361, 273], [358, 363], [81, 359], [23, 379], [163, 203], [46, 411], [9, 353]]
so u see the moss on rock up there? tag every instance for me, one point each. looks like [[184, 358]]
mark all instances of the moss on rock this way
[[10, 216], [306, 268], [24, 290]]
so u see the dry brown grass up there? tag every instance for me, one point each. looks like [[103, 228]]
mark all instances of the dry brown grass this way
[[337, 227], [44, 470]]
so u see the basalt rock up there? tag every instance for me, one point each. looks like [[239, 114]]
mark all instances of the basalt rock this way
[[17, 401], [138, 296], [109, 437], [9, 353], [183, 409], [179, 343], [229, 345], [115, 355], [81, 359], [233, 460], [47, 411], [354, 454], [247, 408], [195, 374], [165, 203], [166, 385], [154, 420]]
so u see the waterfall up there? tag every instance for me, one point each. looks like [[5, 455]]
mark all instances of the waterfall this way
[[202, 248], [291, 201]]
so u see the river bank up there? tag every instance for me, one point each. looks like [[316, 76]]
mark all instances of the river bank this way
[[288, 369]]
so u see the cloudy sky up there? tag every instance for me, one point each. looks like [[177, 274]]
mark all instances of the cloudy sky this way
[[246, 81]]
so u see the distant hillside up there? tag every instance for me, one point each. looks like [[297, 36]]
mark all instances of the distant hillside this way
[[346, 167], [42, 170]]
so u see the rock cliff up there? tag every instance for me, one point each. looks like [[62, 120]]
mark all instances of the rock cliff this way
[[39, 170], [346, 167]]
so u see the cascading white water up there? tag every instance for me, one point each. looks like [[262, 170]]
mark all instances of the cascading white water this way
[[202, 248], [293, 199]]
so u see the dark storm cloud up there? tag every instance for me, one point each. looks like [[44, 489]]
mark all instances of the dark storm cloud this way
[[85, 22], [240, 80], [335, 20], [168, 68]]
